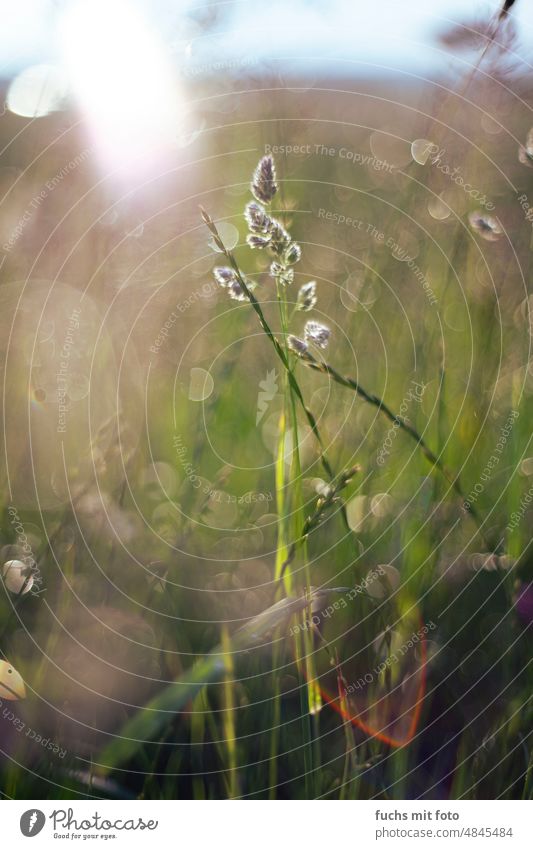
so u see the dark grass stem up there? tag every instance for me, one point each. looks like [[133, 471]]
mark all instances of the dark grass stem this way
[[379, 403]]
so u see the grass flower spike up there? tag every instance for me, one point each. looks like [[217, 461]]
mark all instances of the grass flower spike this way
[[285, 276], [297, 345], [317, 333], [257, 218], [307, 296], [228, 279], [264, 185], [256, 241], [292, 254]]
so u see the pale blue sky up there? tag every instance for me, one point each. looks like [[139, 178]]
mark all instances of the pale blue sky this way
[[337, 36]]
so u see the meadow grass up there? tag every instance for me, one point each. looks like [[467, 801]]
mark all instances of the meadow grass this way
[[332, 601]]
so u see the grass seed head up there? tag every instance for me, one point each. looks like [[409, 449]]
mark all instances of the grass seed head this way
[[317, 333], [307, 296], [257, 218], [256, 241], [224, 275], [292, 253], [228, 279], [280, 239], [264, 185], [283, 274], [297, 345]]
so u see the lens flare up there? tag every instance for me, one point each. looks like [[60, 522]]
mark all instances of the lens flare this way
[[122, 79]]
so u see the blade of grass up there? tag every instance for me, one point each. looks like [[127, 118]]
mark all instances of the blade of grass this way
[[230, 737], [147, 723]]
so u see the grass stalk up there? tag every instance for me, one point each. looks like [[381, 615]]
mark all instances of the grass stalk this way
[[350, 383], [230, 736]]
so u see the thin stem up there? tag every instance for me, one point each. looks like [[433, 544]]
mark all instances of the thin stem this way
[[378, 402]]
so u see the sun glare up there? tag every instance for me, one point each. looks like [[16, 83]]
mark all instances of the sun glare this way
[[122, 80]]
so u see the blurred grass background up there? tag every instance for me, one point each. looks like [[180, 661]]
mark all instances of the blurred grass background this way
[[143, 572]]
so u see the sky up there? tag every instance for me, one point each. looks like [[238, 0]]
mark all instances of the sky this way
[[344, 37]]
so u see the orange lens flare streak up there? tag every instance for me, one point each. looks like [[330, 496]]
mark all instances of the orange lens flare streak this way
[[337, 704]]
